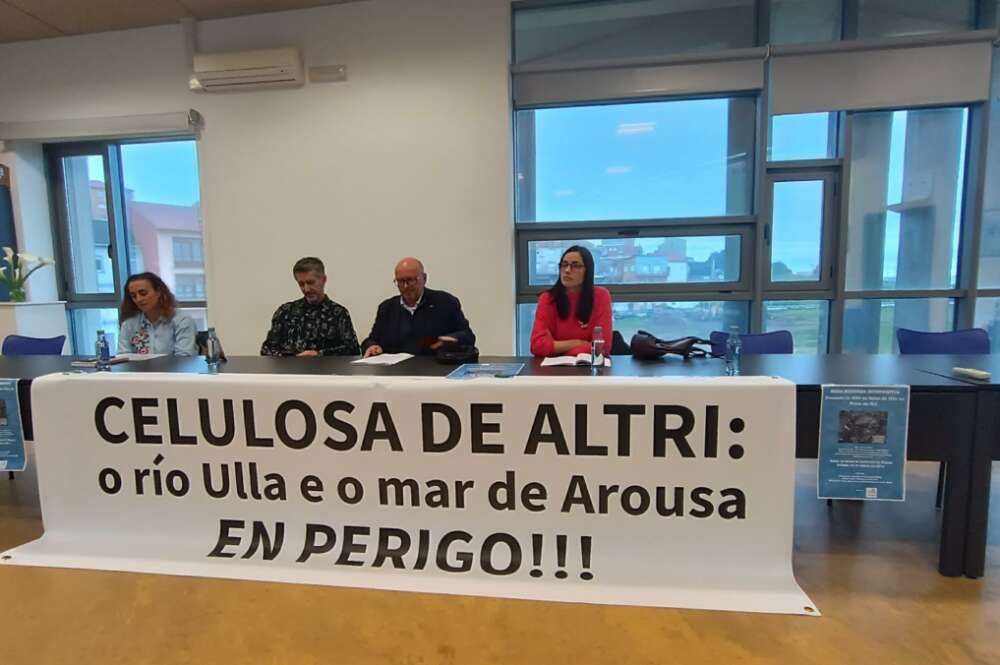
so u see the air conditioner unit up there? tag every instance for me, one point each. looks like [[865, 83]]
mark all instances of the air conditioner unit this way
[[247, 70]]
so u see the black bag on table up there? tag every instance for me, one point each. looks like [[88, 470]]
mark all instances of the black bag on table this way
[[647, 346]]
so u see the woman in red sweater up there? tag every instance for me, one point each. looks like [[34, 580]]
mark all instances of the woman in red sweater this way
[[569, 311]]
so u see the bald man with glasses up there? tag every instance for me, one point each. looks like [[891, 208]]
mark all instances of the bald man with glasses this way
[[419, 320]]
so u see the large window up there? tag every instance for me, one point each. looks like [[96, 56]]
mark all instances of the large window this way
[[839, 218], [126, 208], [650, 160], [907, 172], [904, 223], [660, 192]]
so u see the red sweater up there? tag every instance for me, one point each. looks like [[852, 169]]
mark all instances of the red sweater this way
[[549, 327]]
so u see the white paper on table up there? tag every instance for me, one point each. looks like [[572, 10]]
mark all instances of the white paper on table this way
[[384, 359], [139, 356], [580, 359]]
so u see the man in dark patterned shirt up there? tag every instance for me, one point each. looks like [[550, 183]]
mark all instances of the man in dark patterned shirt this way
[[314, 325]]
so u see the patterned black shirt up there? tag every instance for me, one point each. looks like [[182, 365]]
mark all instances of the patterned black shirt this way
[[299, 326]]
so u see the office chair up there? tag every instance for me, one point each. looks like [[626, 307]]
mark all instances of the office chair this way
[[20, 345], [778, 341]]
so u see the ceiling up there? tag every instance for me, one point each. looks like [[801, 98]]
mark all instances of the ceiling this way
[[21, 20]]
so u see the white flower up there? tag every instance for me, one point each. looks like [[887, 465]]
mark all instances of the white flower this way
[[8, 254], [28, 258], [3, 271]]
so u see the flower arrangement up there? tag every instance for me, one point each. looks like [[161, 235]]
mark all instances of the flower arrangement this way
[[18, 269]]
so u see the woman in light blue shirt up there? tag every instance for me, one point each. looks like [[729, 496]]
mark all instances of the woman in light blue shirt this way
[[150, 320]]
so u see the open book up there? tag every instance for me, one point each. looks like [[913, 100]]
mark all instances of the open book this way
[[578, 359]]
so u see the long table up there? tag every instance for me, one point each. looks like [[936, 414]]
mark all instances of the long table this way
[[985, 451], [951, 420]]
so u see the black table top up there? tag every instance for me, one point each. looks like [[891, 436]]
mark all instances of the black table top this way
[[807, 371], [942, 365]]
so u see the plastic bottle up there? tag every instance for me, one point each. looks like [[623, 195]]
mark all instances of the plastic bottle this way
[[734, 348], [102, 351], [597, 347]]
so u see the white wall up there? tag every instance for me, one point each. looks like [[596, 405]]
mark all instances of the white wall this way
[[412, 155]]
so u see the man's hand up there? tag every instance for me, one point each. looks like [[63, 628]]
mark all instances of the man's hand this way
[[307, 354], [441, 341], [373, 350]]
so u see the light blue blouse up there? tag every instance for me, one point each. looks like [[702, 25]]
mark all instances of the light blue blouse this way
[[174, 336]]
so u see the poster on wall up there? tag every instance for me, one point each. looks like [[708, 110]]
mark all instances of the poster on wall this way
[[862, 442], [12, 457]]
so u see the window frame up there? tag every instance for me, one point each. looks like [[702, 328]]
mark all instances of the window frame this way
[[114, 184], [525, 172], [830, 177], [743, 225], [964, 293], [646, 290], [762, 290], [117, 250]]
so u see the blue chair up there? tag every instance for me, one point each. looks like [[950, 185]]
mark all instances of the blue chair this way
[[19, 345], [973, 340], [779, 341]]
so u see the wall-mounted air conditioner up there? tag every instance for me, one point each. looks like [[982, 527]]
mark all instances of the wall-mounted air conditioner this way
[[247, 70]]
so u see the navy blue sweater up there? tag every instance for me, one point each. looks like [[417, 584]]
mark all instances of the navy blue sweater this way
[[438, 314]]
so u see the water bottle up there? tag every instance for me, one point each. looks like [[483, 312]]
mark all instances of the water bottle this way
[[597, 347], [213, 349], [733, 349], [102, 351]]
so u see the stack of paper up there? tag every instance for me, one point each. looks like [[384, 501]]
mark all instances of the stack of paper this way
[[384, 359]]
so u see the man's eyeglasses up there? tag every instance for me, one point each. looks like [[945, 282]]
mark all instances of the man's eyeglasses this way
[[406, 281], [575, 265]]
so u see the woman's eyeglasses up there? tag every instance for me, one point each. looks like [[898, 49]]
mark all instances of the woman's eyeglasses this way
[[575, 265]]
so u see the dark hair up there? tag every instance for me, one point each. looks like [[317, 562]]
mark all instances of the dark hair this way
[[309, 264], [168, 304], [585, 306]]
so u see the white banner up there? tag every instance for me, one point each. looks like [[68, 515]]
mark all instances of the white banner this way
[[602, 490]]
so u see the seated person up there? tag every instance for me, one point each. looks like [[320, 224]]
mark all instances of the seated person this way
[[313, 325], [569, 311], [419, 320], [150, 320]]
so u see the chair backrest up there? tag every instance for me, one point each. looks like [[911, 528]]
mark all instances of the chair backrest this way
[[20, 345], [618, 345], [778, 341], [973, 340]]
